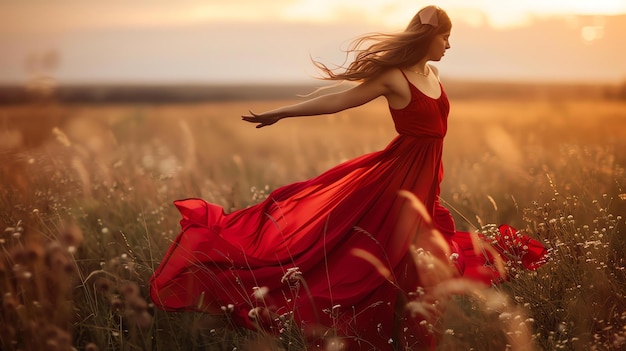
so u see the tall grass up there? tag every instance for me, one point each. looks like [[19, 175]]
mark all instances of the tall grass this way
[[85, 208]]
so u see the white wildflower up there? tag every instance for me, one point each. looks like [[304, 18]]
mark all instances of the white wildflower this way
[[260, 292], [292, 274]]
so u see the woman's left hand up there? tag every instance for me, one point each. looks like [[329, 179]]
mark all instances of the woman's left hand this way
[[260, 119]]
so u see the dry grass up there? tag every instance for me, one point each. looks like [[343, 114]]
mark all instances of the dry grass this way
[[86, 202]]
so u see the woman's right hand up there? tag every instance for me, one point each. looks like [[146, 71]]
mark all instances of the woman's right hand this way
[[260, 119]]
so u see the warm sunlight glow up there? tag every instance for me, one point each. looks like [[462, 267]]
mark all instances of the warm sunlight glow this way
[[514, 13], [584, 7], [479, 12], [391, 14], [591, 33], [228, 11], [252, 40], [377, 11]]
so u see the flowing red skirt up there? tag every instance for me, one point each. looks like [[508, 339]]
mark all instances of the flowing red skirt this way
[[334, 255]]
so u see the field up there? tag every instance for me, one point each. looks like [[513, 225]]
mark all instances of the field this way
[[86, 209]]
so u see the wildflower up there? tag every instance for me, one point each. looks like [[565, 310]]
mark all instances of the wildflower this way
[[333, 344], [103, 284], [504, 316], [21, 272], [117, 304], [9, 302], [228, 308], [254, 313], [292, 274], [261, 315], [130, 289], [259, 293], [419, 308], [71, 236]]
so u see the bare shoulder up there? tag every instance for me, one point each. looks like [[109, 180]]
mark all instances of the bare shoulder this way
[[398, 92], [389, 83], [392, 78]]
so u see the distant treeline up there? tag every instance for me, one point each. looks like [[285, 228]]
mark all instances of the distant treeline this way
[[103, 94]]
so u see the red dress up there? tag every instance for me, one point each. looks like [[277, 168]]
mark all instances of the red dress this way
[[330, 252]]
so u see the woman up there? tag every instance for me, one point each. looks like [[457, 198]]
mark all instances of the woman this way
[[346, 252]]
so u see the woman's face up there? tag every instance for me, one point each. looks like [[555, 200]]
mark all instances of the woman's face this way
[[438, 47]]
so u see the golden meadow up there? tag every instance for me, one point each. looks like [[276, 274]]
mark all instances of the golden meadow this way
[[86, 212]]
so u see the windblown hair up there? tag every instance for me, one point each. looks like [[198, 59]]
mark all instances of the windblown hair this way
[[401, 50]]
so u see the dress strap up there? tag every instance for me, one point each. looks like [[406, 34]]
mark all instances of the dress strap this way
[[405, 77]]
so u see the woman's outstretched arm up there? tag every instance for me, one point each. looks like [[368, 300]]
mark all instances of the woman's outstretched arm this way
[[326, 104]]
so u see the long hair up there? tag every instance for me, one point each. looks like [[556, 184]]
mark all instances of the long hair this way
[[402, 49]]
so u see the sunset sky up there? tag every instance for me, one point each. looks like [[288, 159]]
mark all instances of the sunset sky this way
[[271, 41]]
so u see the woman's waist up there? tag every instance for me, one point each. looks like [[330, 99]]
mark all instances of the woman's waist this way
[[417, 143], [417, 130], [423, 136]]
